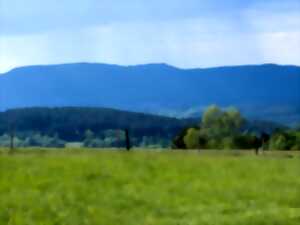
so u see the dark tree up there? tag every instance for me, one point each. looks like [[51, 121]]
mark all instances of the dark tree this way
[[178, 141], [264, 138]]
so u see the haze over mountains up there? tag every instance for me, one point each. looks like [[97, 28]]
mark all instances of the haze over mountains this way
[[269, 91]]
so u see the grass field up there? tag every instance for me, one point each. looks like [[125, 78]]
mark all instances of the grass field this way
[[78, 187]]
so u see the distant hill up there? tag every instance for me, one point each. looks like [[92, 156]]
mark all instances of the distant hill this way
[[71, 123], [267, 91]]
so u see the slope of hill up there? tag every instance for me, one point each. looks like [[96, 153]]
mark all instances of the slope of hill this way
[[267, 91], [71, 123]]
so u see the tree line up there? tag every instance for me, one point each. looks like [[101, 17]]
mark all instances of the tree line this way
[[225, 129]]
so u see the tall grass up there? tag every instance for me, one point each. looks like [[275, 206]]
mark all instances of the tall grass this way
[[143, 188]]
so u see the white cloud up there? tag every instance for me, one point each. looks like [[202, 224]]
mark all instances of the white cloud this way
[[277, 31], [283, 47], [22, 50], [187, 43], [257, 37]]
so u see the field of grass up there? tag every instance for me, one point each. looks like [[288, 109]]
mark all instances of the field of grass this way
[[82, 187]]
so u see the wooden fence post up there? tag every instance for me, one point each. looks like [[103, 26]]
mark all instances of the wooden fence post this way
[[127, 139], [12, 139]]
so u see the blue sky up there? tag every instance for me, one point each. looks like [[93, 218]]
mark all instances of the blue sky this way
[[184, 33]]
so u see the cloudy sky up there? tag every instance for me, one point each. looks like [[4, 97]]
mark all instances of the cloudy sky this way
[[184, 33]]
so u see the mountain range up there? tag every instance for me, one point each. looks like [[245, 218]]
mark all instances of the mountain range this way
[[268, 91]]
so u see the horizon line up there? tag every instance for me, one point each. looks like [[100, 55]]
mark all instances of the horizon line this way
[[144, 64]]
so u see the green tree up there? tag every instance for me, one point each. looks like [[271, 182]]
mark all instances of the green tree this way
[[221, 127], [219, 124], [212, 121], [278, 142], [191, 139], [232, 121]]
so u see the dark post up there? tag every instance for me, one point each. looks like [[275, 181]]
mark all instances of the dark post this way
[[12, 138], [257, 144], [127, 139]]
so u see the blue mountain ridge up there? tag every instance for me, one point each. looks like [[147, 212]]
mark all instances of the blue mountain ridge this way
[[265, 91]]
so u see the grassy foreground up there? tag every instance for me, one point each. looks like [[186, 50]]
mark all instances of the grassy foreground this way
[[147, 188]]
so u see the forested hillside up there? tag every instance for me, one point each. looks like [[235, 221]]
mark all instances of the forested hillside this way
[[72, 124]]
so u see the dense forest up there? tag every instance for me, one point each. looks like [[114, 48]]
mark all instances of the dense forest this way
[[94, 127]]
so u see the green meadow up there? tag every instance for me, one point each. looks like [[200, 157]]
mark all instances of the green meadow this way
[[87, 187]]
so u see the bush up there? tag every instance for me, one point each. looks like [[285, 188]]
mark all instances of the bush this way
[[289, 140]]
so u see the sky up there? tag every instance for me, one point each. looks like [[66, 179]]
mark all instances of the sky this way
[[183, 33]]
